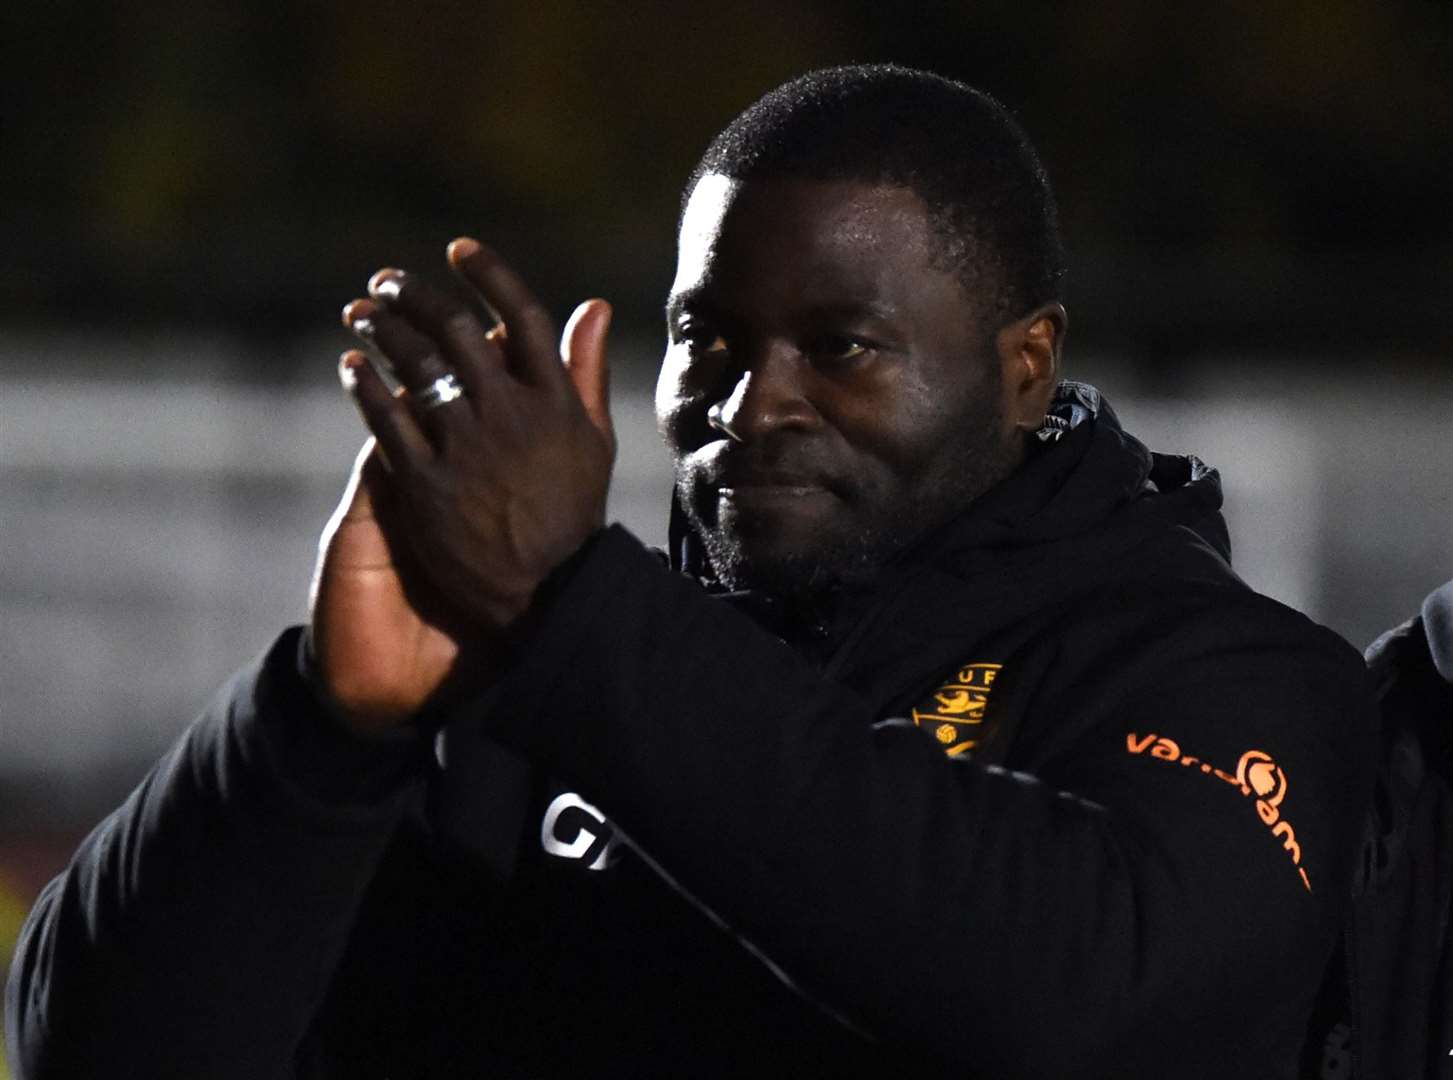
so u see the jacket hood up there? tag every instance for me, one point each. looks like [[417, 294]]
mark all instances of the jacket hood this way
[[1083, 473]]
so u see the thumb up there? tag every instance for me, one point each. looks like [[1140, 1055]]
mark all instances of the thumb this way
[[352, 540], [582, 345], [354, 507], [367, 484]]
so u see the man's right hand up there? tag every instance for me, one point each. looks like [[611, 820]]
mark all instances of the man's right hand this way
[[381, 654]]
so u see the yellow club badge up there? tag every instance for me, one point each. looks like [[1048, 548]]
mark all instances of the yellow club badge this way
[[954, 713]]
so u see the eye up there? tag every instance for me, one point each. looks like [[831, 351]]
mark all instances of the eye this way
[[701, 340], [839, 349], [701, 346]]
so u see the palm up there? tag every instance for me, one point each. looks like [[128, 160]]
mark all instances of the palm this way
[[378, 654], [424, 571]]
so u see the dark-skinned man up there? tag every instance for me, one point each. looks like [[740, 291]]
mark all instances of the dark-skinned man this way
[[947, 741]]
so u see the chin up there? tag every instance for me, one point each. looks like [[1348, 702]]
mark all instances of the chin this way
[[775, 566], [806, 547]]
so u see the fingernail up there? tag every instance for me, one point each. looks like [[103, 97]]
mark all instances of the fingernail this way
[[363, 326], [464, 247], [347, 369], [356, 311], [386, 284]]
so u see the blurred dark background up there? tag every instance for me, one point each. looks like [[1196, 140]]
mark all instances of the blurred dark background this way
[[1231, 174], [1255, 198]]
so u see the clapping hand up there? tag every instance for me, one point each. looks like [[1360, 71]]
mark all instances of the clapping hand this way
[[487, 469]]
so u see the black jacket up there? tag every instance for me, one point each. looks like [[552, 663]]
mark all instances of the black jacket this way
[[1058, 796], [1387, 1012]]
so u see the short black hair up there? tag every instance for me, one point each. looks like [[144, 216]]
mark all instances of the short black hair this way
[[955, 147]]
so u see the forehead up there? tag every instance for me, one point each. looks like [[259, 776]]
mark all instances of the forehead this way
[[836, 241]]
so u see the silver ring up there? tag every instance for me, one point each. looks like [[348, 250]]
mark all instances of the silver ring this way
[[441, 391]]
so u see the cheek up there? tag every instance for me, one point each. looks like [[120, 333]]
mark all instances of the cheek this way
[[672, 401], [904, 427], [685, 389], [919, 433]]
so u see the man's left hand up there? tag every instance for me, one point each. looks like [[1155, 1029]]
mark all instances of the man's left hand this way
[[500, 484]]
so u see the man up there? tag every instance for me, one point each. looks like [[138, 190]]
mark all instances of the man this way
[[1389, 1008], [947, 742]]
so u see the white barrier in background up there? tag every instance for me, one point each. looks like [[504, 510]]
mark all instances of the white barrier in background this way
[[153, 537]]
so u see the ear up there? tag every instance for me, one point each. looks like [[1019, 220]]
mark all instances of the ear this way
[[1029, 350]]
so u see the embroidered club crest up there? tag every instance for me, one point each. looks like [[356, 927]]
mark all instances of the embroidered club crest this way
[[954, 713]]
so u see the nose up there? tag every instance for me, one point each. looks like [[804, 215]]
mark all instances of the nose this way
[[768, 397]]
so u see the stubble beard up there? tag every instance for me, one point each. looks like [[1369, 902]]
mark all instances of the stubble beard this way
[[854, 557], [883, 526]]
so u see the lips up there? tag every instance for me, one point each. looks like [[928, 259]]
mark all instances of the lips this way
[[771, 487], [738, 470], [770, 482], [738, 480], [771, 492]]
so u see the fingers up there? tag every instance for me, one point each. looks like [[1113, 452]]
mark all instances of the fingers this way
[[418, 318], [393, 424], [428, 336], [582, 345], [532, 351], [417, 363]]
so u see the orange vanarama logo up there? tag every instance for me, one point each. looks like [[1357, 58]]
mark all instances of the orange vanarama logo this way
[[954, 715], [1257, 776]]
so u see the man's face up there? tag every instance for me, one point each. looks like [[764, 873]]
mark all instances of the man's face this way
[[828, 394]]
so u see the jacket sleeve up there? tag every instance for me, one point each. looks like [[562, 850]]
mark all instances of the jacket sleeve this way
[[1115, 913], [196, 929]]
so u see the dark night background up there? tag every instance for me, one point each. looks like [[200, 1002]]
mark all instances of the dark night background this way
[[1254, 196], [1231, 174]]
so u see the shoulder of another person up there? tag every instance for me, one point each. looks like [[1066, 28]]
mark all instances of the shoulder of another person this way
[[1437, 617]]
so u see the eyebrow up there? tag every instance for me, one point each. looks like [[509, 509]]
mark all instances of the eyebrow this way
[[849, 310], [678, 303]]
